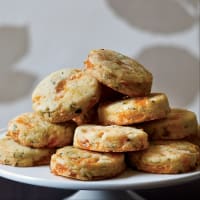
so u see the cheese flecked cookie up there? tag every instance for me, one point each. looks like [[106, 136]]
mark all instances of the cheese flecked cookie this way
[[30, 129], [119, 72], [166, 157], [178, 124], [14, 154], [110, 138], [65, 94], [134, 110], [85, 165]]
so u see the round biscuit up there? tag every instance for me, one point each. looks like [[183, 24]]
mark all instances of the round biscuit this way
[[12, 153], [134, 110], [178, 124], [166, 157], [110, 138], [119, 72], [29, 129], [81, 164], [65, 94]]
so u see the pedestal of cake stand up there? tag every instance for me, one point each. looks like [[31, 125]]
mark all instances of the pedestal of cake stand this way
[[104, 195]]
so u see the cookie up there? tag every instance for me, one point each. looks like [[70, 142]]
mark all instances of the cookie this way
[[85, 165], [31, 130], [110, 138], [12, 153], [134, 110], [119, 72], [166, 157], [65, 94], [178, 124]]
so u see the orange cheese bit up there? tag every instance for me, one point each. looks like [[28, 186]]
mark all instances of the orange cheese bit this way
[[61, 86], [88, 64], [21, 120]]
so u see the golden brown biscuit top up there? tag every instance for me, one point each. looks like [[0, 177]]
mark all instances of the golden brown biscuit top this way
[[118, 64]]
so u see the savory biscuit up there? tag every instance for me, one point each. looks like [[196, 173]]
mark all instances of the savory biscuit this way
[[65, 94], [178, 124], [31, 130], [110, 138], [134, 110], [81, 164], [12, 153], [119, 72], [166, 157]]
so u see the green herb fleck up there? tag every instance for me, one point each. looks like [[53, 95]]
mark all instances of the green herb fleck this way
[[14, 127]]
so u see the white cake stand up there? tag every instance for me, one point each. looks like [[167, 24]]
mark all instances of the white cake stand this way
[[117, 188]]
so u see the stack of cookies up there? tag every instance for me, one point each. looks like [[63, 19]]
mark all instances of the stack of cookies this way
[[30, 140], [100, 119]]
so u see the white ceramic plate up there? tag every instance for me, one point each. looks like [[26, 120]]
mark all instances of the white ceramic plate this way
[[130, 179]]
